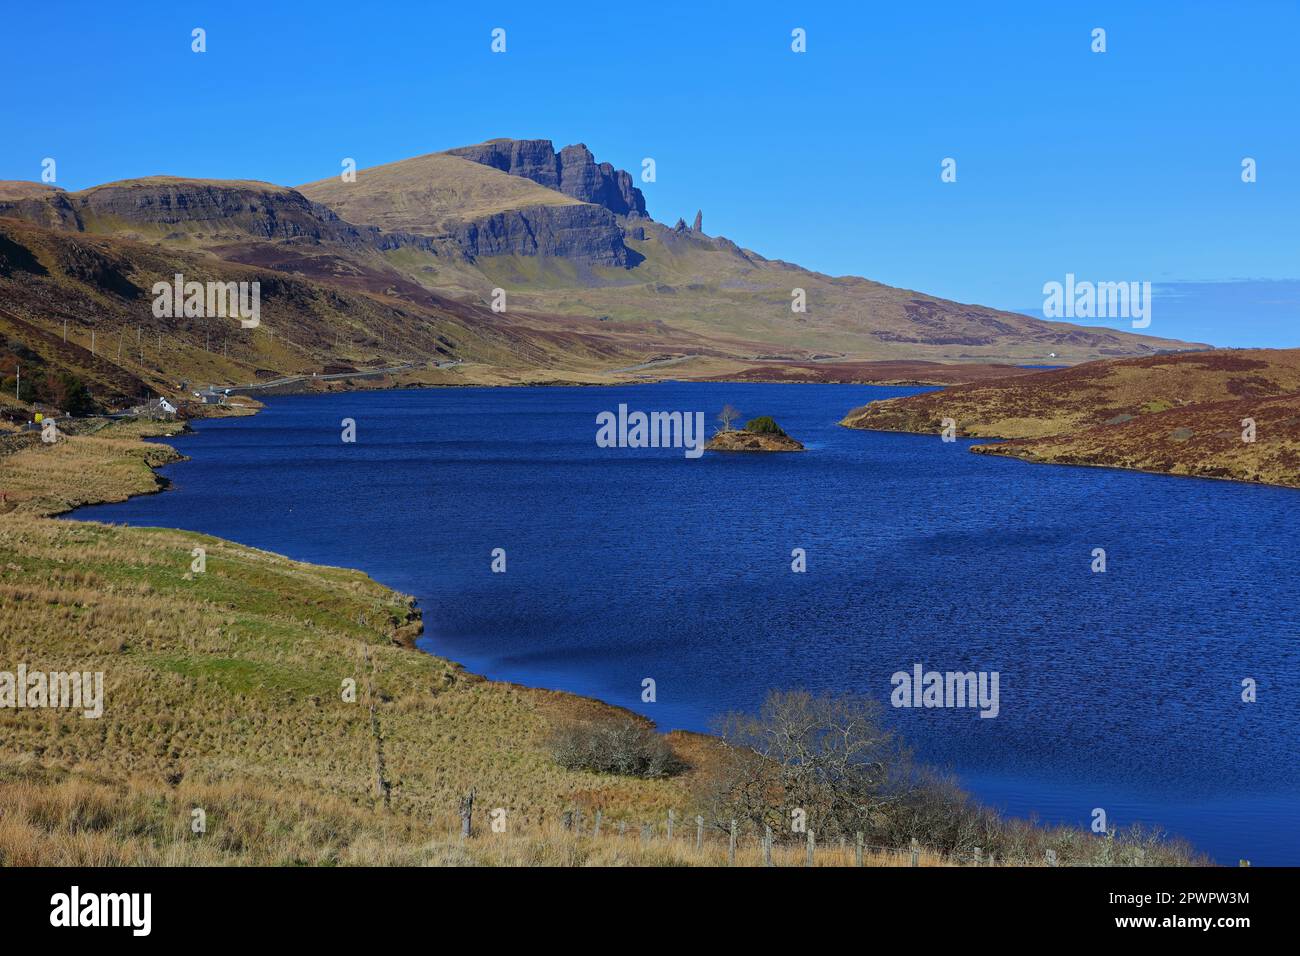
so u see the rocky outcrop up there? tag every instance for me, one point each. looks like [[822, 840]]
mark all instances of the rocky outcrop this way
[[197, 208], [699, 221], [572, 171], [751, 441], [51, 210], [582, 178], [580, 232], [245, 209]]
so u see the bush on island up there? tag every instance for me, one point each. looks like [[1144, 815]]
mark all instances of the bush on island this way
[[764, 425]]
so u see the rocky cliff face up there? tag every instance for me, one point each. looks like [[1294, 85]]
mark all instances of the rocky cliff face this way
[[572, 171], [52, 210], [189, 207], [268, 212], [582, 233]]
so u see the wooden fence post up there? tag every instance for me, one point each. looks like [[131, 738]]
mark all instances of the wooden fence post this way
[[466, 814], [979, 856], [767, 846], [699, 833], [671, 817], [916, 853], [731, 847], [645, 832], [596, 830], [857, 853], [622, 828], [812, 846]]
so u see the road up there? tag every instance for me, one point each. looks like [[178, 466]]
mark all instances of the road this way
[[333, 376]]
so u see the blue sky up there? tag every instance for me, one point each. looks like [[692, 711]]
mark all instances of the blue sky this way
[[1118, 166]]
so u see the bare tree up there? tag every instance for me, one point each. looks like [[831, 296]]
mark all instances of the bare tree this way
[[827, 755], [728, 415]]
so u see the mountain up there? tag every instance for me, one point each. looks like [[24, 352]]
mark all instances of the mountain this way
[[326, 303], [477, 209], [573, 171], [1178, 414], [707, 284], [519, 261]]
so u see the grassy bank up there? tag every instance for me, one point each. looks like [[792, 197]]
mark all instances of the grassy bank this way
[[1230, 414], [230, 683]]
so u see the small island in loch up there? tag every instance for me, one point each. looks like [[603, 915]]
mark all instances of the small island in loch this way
[[759, 434]]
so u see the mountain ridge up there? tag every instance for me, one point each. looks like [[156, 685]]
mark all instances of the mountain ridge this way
[[410, 260]]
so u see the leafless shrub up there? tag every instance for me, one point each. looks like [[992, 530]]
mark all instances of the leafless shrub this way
[[618, 745], [830, 757], [825, 755]]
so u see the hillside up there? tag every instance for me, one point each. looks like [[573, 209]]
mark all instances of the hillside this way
[[222, 690], [319, 308], [705, 284], [430, 194], [15, 189], [1177, 414]]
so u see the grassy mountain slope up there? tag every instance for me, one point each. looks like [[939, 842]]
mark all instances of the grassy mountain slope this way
[[15, 189], [709, 285], [426, 194], [706, 284], [316, 310]]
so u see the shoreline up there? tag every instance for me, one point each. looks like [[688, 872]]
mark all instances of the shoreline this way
[[997, 442], [1229, 415], [407, 636]]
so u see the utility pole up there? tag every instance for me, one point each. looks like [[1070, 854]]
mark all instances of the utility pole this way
[[65, 331], [18, 380], [92, 343]]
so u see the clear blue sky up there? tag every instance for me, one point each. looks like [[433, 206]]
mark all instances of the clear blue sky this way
[[1116, 166]]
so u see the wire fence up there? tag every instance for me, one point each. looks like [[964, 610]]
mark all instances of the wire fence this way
[[732, 844]]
